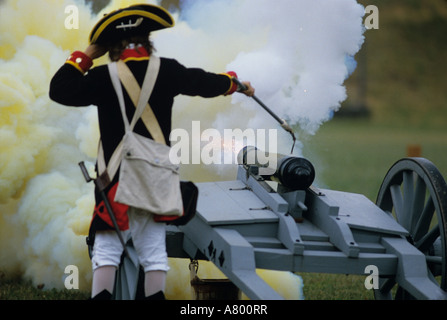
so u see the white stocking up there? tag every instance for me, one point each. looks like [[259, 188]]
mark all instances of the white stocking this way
[[154, 281], [103, 279]]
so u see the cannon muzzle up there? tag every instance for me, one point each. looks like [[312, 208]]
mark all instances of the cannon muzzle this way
[[292, 172]]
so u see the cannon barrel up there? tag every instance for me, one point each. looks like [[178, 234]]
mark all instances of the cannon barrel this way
[[293, 172]]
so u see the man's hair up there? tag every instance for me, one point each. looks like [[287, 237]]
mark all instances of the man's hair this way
[[116, 49]]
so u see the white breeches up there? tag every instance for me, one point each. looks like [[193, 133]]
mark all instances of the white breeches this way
[[148, 237]]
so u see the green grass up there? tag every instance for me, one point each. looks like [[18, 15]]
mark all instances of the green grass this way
[[15, 288], [318, 286], [355, 155]]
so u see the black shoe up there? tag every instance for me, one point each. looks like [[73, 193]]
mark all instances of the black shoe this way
[[157, 296], [103, 295]]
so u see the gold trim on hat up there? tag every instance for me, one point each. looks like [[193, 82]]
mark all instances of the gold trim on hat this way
[[127, 13]]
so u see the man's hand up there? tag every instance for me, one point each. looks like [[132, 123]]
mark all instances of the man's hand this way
[[250, 92], [95, 51]]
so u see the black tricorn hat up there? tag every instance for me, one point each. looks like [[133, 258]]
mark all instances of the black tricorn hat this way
[[140, 19]]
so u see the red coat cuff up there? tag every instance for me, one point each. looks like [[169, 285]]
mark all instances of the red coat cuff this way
[[80, 61], [233, 85]]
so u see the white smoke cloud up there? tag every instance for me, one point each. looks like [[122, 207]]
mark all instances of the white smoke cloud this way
[[298, 57], [297, 54], [293, 51]]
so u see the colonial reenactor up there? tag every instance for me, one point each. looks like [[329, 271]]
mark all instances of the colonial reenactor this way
[[125, 35]]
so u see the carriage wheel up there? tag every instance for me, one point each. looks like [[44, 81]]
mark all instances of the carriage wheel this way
[[415, 194]]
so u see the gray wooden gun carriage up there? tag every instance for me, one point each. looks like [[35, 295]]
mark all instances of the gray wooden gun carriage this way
[[290, 225]]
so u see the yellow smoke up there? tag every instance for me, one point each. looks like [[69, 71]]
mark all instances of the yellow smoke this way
[[286, 284], [45, 204]]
